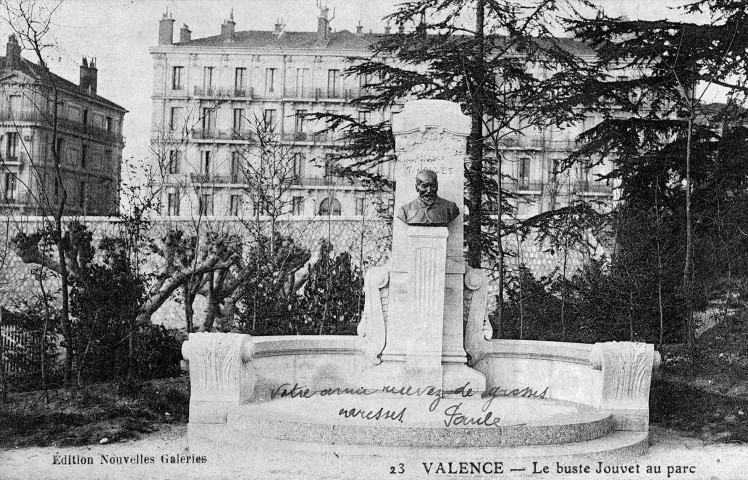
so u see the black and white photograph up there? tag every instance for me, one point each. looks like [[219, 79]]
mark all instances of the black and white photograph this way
[[397, 239]]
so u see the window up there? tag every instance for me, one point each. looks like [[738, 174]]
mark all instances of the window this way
[[260, 208], [523, 176], [333, 83], [235, 205], [108, 124], [11, 147], [208, 120], [176, 113], [82, 195], [269, 119], [301, 82], [270, 80], [329, 165], [57, 189], [364, 116], [60, 149], [360, 206], [297, 206], [173, 161], [84, 118], [9, 190], [176, 78], [84, 156], [240, 75], [208, 80], [585, 167], [172, 202], [205, 163], [236, 167], [329, 206], [300, 118], [297, 163], [205, 204], [238, 121], [109, 159]]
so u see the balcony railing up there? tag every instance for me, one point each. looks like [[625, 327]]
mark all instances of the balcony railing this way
[[205, 178], [536, 143], [322, 181], [225, 92], [521, 186], [591, 187], [63, 123], [212, 134]]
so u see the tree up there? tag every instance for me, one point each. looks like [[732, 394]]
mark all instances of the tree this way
[[664, 70], [31, 22], [501, 62]]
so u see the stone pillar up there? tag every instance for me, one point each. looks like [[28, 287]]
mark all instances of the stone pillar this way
[[426, 276], [217, 374]]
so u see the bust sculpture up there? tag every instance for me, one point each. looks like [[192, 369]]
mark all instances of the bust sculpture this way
[[428, 209]]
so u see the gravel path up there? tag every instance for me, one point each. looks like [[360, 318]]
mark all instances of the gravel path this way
[[693, 459]]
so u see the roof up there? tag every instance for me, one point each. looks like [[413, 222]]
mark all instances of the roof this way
[[37, 72], [342, 40]]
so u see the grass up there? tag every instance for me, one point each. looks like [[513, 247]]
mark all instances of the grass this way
[[115, 411], [706, 397]]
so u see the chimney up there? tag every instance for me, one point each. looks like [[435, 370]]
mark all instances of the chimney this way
[[359, 28], [323, 23], [12, 53], [185, 34], [227, 28], [387, 29], [279, 26], [88, 75], [93, 74], [166, 30]]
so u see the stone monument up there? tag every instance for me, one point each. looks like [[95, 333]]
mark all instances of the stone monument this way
[[423, 379], [421, 340]]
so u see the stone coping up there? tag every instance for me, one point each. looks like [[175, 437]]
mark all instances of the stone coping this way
[[539, 350]]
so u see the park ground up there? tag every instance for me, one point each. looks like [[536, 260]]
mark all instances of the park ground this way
[[699, 415]]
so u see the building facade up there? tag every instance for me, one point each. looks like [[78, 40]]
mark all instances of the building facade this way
[[210, 94], [86, 131]]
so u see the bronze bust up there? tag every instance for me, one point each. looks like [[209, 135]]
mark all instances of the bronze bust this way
[[428, 209]]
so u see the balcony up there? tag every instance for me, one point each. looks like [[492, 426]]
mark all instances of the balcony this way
[[226, 92], [585, 187], [343, 94], [536, 143], [46, 120], [205, 178], [212, 134], [520, 187], [323, 181]]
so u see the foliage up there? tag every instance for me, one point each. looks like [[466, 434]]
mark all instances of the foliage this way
[[332, 299], [499, 60], [323, 294], [34, 330], [108, 340]]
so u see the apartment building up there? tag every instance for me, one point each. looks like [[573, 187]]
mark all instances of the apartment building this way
[[88, 138], [210, 93]]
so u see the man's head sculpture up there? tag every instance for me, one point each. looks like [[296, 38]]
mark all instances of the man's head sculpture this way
[[428, 209]]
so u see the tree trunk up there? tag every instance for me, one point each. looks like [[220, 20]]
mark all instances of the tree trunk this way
[[688, 266], [475, 146]]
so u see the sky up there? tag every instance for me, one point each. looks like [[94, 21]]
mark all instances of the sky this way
[[119, 33]]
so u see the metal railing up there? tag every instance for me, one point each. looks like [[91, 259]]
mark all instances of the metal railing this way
[[225, 92], [62, 123], [207, 178]]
